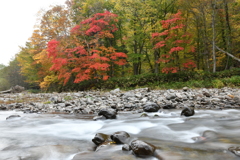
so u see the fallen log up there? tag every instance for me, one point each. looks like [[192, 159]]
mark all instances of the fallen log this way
[[15, 89], [6, 91]]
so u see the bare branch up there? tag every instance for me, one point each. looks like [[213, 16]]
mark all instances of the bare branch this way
[[230, 55]]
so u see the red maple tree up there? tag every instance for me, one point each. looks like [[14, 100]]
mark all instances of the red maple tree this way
[[90, 54], [174, 40]]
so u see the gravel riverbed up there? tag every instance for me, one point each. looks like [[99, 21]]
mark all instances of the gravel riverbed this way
[[91, 102]]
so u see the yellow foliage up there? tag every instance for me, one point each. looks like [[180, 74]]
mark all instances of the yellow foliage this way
[[48, 80]]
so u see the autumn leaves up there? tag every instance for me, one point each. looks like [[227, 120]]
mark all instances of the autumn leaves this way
[[85, 57], [172, 40]]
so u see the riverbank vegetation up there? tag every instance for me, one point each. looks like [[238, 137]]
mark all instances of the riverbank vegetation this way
[[105, 44]]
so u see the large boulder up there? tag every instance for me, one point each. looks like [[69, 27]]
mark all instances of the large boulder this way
[[108, 113], [151, 107]]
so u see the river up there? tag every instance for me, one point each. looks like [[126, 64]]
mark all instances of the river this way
[[63, 136]]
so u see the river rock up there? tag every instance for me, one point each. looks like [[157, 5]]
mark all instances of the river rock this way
[[96, 118], [126, 147], [120, 137], [235, 150], [206, 92], [168, 106], [144, 115], [56, 99], [185, 89], [151, 107], [108, 113], [142, 149], [100, 138], [12, 116], [207, 135], [170, 96], [3, 107], [89, 102], [115, 91]]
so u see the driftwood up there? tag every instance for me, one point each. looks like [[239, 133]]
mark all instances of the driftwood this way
[[15, 89]]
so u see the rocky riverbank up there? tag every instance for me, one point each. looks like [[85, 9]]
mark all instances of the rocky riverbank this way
[[91, 102]]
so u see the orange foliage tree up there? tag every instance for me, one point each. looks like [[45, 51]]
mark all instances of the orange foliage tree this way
[[33, 59], [90, 53], [174, 43]]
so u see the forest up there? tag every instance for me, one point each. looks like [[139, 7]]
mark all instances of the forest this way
[[117, 42]]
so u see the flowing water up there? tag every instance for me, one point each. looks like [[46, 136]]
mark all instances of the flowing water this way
[[67, 137]]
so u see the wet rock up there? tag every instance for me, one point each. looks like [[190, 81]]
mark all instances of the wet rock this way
[[100, 138], [108, 113], [168, 106], [139, 111], [106, 146], [144, 115], [120, 137], [126, 147], [96, 118], [151, 107], [199, 139], [207, 135], [11, 106], [3, 107], [188, 111], [210, 135], [235, 150], [12, 116], [142, 149]]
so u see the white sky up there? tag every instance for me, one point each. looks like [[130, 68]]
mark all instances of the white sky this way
[[17, 19]]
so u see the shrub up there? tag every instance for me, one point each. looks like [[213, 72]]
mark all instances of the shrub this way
[[217, 83]]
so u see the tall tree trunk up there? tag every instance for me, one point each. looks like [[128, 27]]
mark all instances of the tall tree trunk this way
[[205, 42], [229, 32], [214, 36], [136, 60], [156, 65], [149, 61]]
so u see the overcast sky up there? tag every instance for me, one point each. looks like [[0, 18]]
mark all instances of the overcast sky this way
[[18, 18]]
